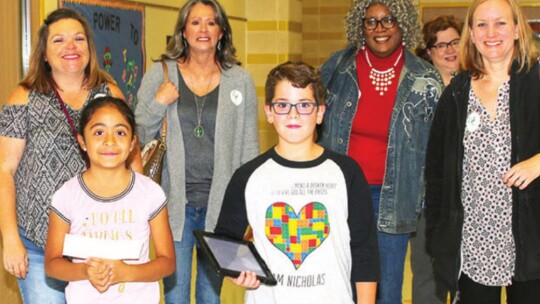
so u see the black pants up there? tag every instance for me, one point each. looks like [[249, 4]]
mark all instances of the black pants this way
[[518, 293]]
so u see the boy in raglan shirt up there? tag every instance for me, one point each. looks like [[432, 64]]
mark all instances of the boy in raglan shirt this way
[[310, 208]]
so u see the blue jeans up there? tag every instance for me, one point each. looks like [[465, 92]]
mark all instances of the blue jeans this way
[[38, 287], [392, 251], [178, 285]]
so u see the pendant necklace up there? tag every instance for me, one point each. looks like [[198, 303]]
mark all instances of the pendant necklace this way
[[382, 79], [199, 130]]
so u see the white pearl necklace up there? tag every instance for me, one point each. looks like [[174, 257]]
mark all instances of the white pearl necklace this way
[[382, 79]]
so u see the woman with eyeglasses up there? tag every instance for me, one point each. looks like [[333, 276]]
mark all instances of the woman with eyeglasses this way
[[441, 40], [380, 104], [441, 37]]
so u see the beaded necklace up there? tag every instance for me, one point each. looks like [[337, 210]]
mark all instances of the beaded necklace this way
[[382, 79]]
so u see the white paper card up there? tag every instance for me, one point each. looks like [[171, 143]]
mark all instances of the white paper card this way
[[82, 247]]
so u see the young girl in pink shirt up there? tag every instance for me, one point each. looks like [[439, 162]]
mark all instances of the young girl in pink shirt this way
[[109, 201]]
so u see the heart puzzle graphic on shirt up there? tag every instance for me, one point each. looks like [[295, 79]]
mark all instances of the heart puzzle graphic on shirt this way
[[297, 235]]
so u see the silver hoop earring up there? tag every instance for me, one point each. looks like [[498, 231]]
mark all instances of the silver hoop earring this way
[[219, 45]]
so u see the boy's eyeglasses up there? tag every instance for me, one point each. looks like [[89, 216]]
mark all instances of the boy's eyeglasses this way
[[302, 108], [386, 22], [441, 46]]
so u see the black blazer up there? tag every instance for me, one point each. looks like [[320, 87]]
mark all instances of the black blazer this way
[[443, 173]]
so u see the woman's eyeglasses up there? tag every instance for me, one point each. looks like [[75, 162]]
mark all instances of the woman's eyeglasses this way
[[441, 46], [302, 108], [386, 22]]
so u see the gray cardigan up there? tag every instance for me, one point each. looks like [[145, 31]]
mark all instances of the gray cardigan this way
[[236, 137]]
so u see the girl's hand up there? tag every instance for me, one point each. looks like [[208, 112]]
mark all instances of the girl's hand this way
[[99, 274], [118, 271], [523, 173], [16, 258], [246, 279], [167, 93]]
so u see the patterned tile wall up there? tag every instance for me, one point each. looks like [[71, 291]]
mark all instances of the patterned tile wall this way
[[323, 30], [274, 35]]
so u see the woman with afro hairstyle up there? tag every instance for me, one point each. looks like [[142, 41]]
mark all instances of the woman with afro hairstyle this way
[[380, 104]]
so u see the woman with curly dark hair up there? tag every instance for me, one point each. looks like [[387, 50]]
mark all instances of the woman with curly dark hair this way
[[379, 109]]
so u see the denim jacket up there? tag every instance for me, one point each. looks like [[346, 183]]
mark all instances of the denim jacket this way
[[420, 86]]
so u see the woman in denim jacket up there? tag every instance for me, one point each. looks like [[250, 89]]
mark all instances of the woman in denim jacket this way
[[380, 105]]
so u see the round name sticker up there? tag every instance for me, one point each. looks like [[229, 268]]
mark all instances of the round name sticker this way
[[473, 122], [236, 97]]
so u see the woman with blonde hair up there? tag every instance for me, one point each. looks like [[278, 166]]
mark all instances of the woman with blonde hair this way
[[483, 163]]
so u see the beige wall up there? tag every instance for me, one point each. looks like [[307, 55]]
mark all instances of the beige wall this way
[[10, 61], [274, 36], [323, 30], [10, 44]]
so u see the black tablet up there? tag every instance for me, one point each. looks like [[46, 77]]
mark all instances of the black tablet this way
[[229, 256]]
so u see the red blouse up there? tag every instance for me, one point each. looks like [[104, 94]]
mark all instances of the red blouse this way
[[369, 134]]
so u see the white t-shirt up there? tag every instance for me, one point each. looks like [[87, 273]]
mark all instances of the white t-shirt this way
[[313, 224]]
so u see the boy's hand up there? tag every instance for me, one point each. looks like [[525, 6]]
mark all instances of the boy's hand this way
[[246, 279], [99, 274]]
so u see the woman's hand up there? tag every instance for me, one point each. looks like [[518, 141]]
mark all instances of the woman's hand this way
[[523, 173], [99, 274], [15, 258], [246, 279], [167, 93]]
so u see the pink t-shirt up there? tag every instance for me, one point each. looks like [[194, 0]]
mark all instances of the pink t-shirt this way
[[123, 217]]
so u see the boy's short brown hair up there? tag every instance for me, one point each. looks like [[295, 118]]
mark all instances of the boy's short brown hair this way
[[300, 75]]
